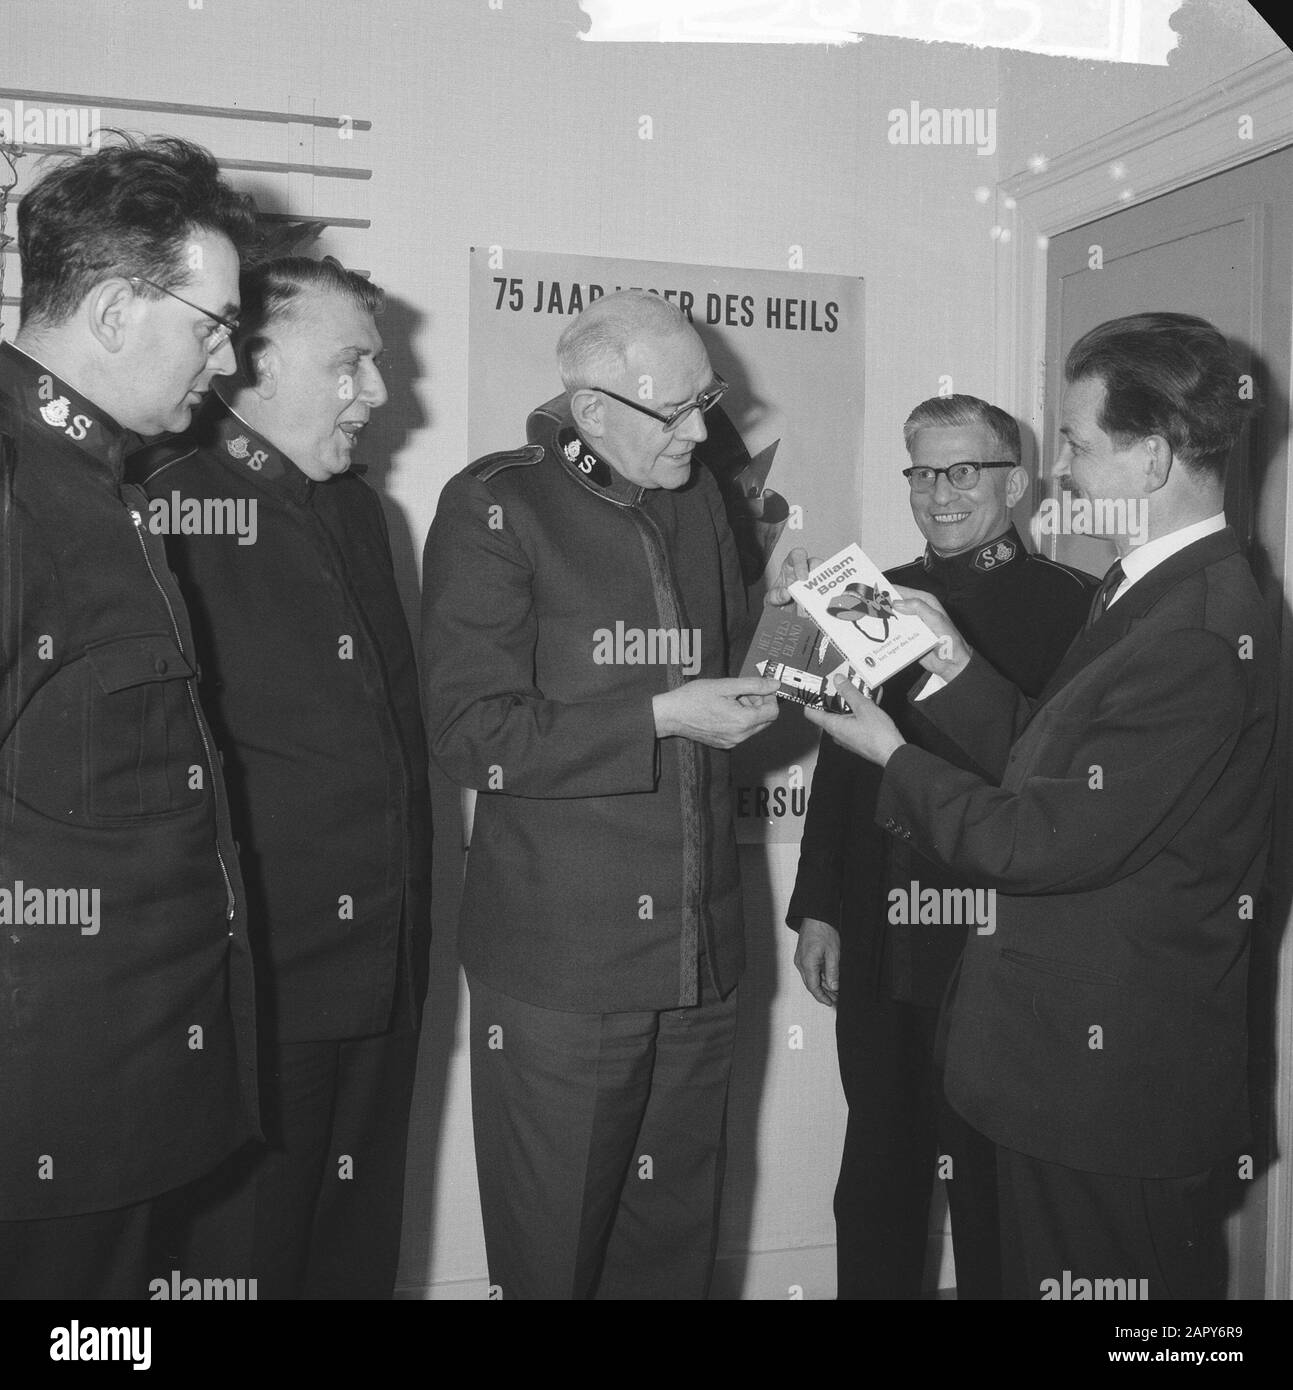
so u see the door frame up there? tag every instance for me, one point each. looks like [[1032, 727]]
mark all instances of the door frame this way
[[1178, 145]]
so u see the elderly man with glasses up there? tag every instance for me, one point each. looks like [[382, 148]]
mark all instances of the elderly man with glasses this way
[[580, 597], [887, 978]]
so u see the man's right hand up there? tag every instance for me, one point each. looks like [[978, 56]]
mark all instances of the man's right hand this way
[[795, 566], [720, 713], [817, 958], [952, 655]]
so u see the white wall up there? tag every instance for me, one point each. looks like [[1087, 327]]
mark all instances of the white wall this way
[[497, 125]]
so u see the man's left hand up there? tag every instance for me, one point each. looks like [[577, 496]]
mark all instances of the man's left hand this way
[[867, 730]]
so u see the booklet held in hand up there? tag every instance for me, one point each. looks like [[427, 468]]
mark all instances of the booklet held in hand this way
[[852, 603], [792, 651]]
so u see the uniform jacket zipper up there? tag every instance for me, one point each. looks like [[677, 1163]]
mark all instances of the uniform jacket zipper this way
[[138, 519]]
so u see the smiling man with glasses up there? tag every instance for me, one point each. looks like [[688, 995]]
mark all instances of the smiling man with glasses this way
[[886, 979], [580, 600]]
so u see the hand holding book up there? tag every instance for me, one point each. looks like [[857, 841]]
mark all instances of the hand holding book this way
[[852, 603], [951, 654], [866, 730], [848, 618]]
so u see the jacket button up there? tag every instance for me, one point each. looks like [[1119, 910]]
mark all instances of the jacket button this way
[[160, 665]]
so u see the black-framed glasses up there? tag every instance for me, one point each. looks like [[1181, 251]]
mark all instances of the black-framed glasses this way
[[218, 336], [963, 476], [707, 399]]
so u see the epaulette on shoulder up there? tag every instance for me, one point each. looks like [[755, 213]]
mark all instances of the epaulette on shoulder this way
[[1081, 578], [491, 464]]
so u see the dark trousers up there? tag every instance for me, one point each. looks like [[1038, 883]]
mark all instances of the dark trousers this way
[[1098, 1227], [901, 1133], [102, 1255], [599, 1146], [316, 1212]]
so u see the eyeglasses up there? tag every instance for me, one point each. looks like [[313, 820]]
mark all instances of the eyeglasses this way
[[705, 401], [218, 336], [963, 476]]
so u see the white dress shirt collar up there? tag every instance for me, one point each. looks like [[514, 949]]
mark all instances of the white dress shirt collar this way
[[1138, 562]]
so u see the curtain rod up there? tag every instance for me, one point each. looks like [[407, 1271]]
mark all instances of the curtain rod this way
[[178, 108], [259, 166], [363, 223]]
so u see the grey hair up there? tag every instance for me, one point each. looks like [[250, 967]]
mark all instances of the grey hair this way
[[943, 412], [595, 345]]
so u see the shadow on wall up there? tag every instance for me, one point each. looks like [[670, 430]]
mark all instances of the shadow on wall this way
[[393, 427]]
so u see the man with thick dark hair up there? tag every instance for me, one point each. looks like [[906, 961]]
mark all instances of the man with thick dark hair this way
[[127, 1062], [309, 676], [886, 974], [1162, 375], [1099, 1036]]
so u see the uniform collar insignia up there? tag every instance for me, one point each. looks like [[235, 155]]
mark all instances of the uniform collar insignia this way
[[251, 453], [61, 410], [592, 471], [1002, 550], [995, 553]]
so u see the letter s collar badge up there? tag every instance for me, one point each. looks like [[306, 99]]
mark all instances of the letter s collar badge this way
[[56, 412], [582, 458]]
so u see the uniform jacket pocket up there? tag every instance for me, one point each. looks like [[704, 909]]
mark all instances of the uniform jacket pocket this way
[[142, 744]]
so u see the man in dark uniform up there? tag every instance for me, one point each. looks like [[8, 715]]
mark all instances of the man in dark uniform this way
[[127, 1064], [580, 598], [310, 678], [887, 979]]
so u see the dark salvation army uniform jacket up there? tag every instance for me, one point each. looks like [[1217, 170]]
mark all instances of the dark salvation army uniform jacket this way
[[603, 860], [310, 679], [127, 1039]]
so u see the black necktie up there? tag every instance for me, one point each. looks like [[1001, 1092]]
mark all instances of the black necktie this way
[[1105, 592]]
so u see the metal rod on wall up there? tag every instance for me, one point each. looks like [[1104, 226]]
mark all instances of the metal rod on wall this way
[[173, 108]]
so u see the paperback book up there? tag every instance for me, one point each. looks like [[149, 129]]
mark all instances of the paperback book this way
[[851, 603], [791, 649]]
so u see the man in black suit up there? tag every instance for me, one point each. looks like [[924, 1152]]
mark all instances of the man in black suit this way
[[1098, 1037], [887, 978]]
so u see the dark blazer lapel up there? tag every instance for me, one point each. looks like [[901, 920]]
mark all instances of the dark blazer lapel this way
[[1143, 595]]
